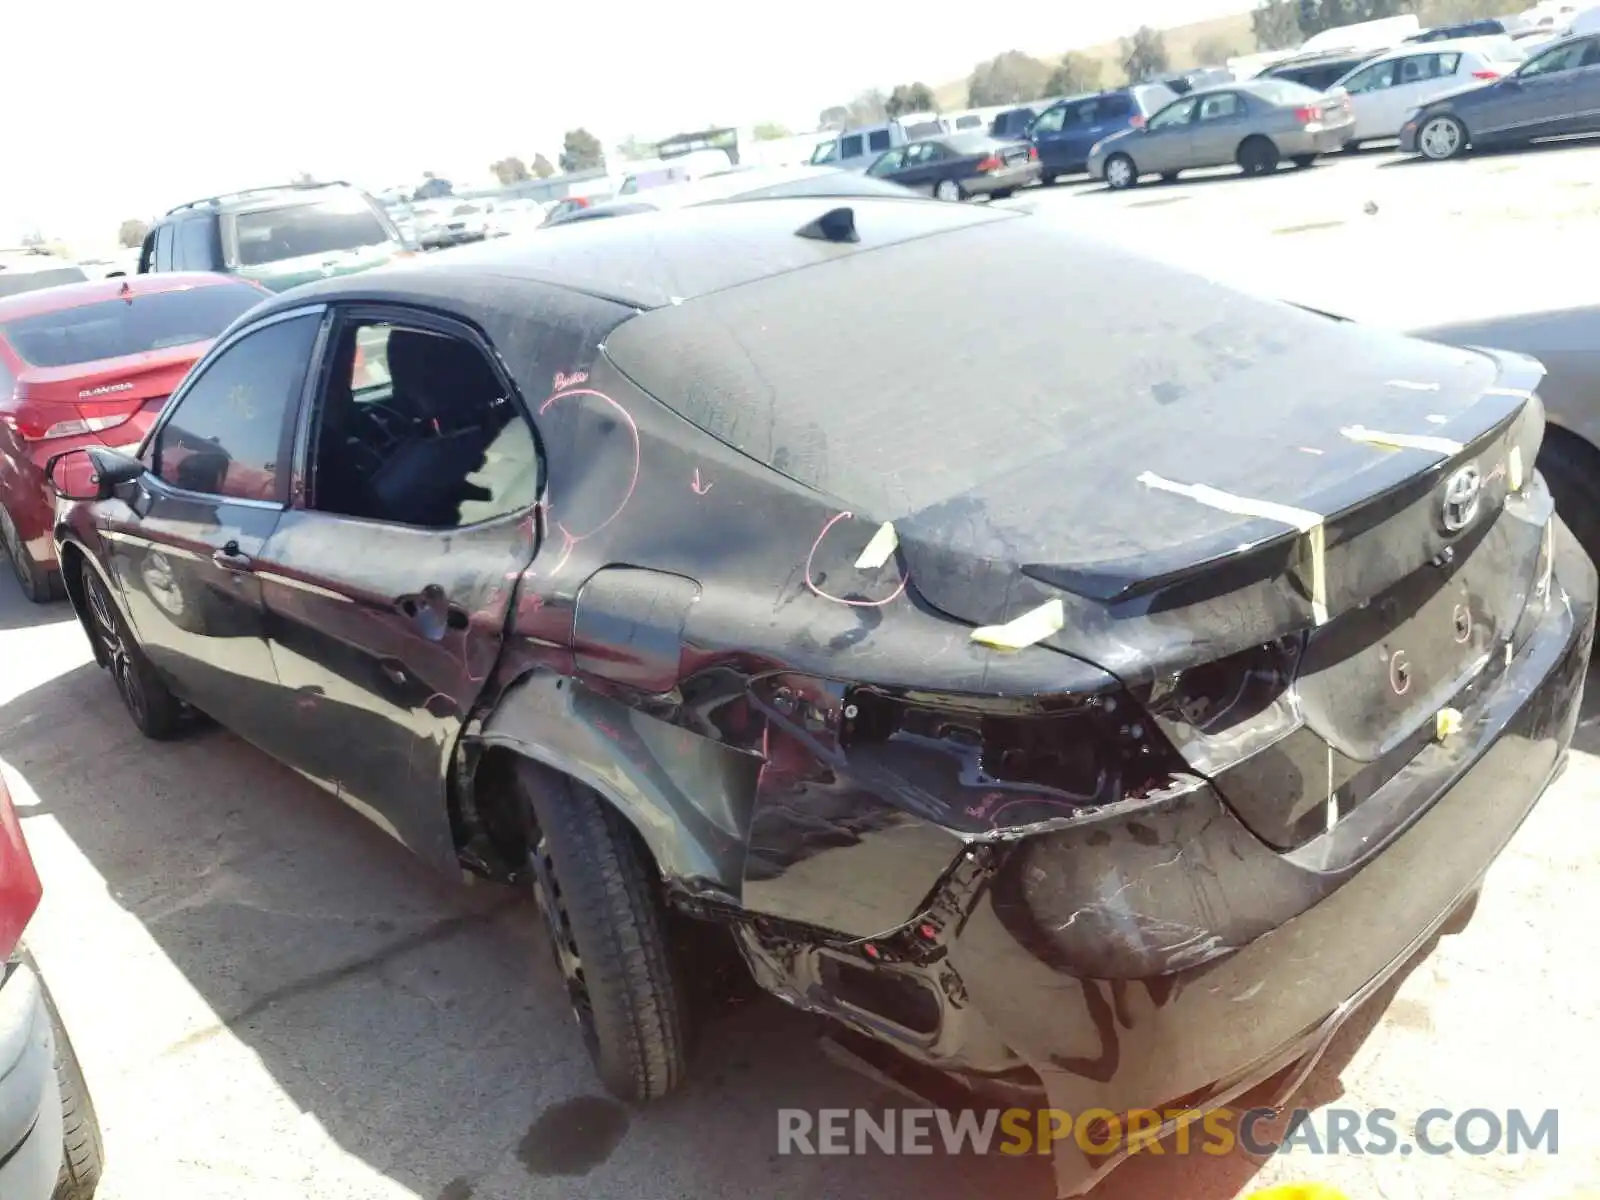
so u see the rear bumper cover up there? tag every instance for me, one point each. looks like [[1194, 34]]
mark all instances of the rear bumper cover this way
[[1165, 956], [30, 1097]]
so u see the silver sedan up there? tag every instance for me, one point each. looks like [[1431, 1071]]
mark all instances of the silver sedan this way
[[1256, 124]]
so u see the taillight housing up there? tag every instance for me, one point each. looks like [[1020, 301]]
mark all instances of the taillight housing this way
[[20, 889], [36, 426], [1136, 121], [1485, 73], [992, 163], [1033, 154], [1307, 116], [1222, 712]]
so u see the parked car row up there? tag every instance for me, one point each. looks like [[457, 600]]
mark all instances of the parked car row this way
[[1114, 665]]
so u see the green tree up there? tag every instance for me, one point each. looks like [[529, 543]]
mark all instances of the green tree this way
[[635, 149], [1073, 74], [771, 131], [910, 98], [1276, 24], [541, 167], [1144, 55], [132, 232], [510, 170], [1314, 16], [581, 151], [869, 108], [1008, 78], [835, 116]]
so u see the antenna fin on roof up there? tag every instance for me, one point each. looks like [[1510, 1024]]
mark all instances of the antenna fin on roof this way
[[835, 225]]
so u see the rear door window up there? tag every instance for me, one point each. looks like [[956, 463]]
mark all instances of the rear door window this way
[[1051, 120], [163, 256], [851, 147], [1115, 106], [117, 328], [878, 141], [192, 246]]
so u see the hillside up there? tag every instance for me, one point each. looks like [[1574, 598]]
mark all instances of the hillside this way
[[1231, 33]]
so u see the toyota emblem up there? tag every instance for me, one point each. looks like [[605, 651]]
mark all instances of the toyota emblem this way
[[1463, 492]]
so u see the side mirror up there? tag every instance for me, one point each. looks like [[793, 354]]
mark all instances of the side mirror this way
[[90, 473]]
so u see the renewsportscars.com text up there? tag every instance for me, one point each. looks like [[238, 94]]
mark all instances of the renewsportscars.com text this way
[[1015, 1131]]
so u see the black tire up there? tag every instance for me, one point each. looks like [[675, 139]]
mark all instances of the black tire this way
[[1258, 156], [608, 925], [1351, 147], [39, 585], [1047, 178], [949, 190], [1001, 194], [1170, 176], [156, 712], [1302, 161], [1118, 180], [1435, 141], [1571, 469], [83, 1152]]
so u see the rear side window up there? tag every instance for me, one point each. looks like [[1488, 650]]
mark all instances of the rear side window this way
[[878, 140], [14, 283], [968, 122], [1121, 105], [850, 147], [227, 434], [193, 248], [116, 328], [294, 230]]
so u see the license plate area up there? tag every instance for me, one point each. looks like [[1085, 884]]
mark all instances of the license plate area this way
[[1375, 674]]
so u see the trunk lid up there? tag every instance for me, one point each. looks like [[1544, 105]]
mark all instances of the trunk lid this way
[[116, 400]]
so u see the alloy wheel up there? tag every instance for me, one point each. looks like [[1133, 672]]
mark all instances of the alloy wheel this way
[[563, 945], [947, 190], [1119, 172], [1440, 139], [119, 654]]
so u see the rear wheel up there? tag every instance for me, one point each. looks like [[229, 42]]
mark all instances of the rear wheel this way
[[1121, 173], [1571, 468], [1047, 178], [608, 928], [82, 1150], [1001, 194], [1258, 156], [1302, 161], [1441, 137], [153, 707], [1170, 176], [947, 189], [39, 584]]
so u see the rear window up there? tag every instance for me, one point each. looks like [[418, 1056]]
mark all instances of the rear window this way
[[1121, 105], [14, 283], [1283, 91], [921, 129], [968, 122], [324, 227], [971, 143], [116, 328], [878, 140]]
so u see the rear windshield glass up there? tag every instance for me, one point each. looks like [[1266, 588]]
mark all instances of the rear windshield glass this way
[[1283, 91], [971, 143], [14, 283], [922, 129], [115, 328], [325, 227]]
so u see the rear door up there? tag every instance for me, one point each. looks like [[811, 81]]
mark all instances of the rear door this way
[[1090, 121], [1220, 124], [1418, 79], [389, 580], [183, 547], [1048, 134]]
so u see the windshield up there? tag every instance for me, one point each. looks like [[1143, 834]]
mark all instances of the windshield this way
[[293, 231], [137, 325], [14, 283]]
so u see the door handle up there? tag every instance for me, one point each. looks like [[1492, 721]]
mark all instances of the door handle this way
[[230, 559], [395, 672]]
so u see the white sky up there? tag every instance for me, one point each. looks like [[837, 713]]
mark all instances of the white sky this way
[[129, 108]]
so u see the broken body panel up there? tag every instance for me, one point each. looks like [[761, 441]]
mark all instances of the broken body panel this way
[[1095, 863]]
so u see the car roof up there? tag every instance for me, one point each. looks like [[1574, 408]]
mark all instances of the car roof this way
[[94, 291], [654, 259]]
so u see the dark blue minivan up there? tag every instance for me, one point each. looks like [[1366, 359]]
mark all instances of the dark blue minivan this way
[[1064, 132]]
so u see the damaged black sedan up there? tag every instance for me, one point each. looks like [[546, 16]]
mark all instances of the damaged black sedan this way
[[1082, 682]]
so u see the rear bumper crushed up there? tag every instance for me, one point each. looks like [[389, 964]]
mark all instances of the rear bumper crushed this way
[[1163, 957]]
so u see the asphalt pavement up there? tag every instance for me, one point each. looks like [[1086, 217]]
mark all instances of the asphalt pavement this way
[[272, 1000]]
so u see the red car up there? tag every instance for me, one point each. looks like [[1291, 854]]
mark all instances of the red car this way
[[90, 363], [50, 1146]]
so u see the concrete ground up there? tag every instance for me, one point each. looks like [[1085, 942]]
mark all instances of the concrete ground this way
[[272, 1001]]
